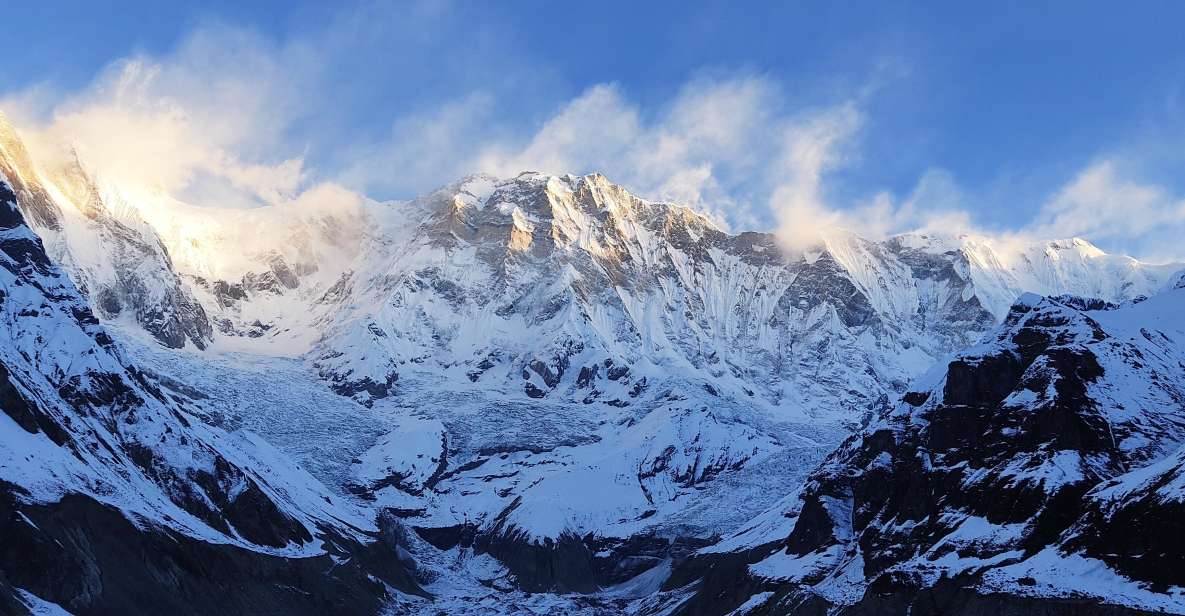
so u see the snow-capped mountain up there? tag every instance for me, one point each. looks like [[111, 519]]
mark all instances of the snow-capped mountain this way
[[531, 285], [107, 483], [557, 386], [1038, 470], [114, 257]]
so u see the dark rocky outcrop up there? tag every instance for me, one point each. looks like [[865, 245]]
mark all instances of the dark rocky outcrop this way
[[93, 526], [1014, 436], [1136, 524], [89, 559], [574, 564], [825, 282]]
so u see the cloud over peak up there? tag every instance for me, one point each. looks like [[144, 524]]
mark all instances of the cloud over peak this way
[[236, 119]]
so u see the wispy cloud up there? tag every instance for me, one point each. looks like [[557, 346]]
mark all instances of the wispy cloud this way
[[705, 148], [234, 119], [1103, 204], [200, 123]]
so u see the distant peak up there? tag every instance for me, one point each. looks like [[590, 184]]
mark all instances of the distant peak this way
[[1077, 244], [474, 190], [1028, 301]]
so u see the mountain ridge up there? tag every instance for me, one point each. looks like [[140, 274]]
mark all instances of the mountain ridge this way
[[547, 385], [1020, 468], [109, 483]]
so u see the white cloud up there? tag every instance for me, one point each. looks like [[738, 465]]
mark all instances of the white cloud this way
[[730, 148], [709, 141], [589, 133], [823, 142], [423, 150], [212, 123], [1102, 205], [200, 123], [711, 147], [811, 148]]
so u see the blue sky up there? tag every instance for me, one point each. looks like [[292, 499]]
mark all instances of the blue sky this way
[[1060, 118]]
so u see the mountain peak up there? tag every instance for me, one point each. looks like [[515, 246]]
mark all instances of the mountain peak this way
[[1077, 245], [569, 210]]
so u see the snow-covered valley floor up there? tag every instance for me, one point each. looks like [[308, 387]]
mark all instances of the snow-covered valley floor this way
[[279, 399]]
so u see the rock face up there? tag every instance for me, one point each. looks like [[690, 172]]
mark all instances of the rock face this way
[[113, 500], [1034, 473], [90, 559]]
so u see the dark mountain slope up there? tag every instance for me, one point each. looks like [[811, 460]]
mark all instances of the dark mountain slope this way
[[114, 501]]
